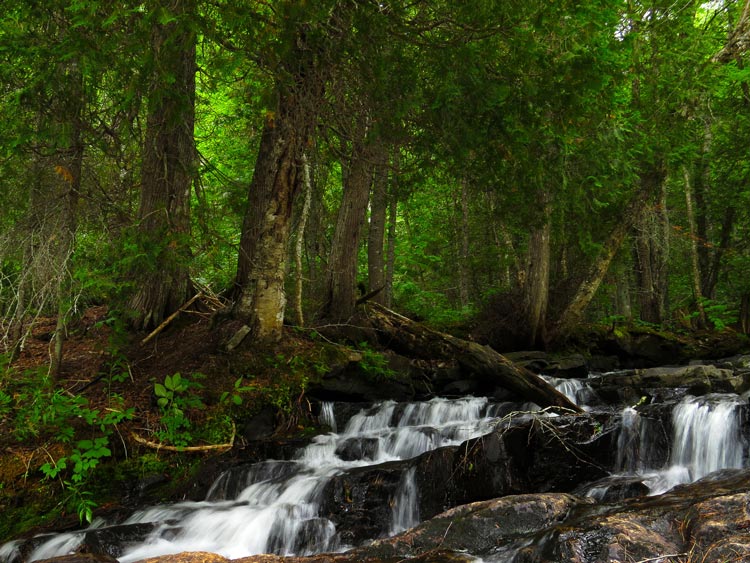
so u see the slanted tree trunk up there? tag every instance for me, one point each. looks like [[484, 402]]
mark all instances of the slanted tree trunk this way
[[588, 287], [376, 234], [411, 338], [167, 171], [261, 265], [341, 278]]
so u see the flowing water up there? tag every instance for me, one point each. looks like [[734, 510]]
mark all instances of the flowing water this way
[[273, 506], [706, 437]]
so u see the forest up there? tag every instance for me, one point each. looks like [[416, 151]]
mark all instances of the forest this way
[[512, 171]]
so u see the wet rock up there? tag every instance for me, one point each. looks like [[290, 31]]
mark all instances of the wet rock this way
[[480, 527], [192, 557], [568, 367], [350, 382], [629, 386], [614, 488], [358, 502], [534, 360]]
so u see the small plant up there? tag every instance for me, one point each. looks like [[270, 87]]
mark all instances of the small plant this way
[[174, 397], [374, 364], [235, 395], [720, 315]]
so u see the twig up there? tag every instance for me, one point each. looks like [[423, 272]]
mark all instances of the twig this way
[[670, 556], [170, 318], [159, 446]]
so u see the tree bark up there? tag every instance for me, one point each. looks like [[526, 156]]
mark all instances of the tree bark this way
[[536, 288], [390, 256], [411, 338], [341, 278], [300, 241], [265, 231], [694, 257], [588, 287], [651, 251], [376, 234], [261, 265], [463, 261], [167, 171]]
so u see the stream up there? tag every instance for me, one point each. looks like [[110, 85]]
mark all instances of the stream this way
[[275, 506]]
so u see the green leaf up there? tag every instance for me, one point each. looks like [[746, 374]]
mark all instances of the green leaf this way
[[161, 391]]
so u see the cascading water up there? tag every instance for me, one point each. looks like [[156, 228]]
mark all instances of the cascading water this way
[[273, 506], [707, 436]]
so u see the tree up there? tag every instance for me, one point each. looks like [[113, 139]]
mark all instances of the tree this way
[[168, 167], [300, 77]]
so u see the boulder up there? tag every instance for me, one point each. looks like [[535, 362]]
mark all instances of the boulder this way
[[629, 386]]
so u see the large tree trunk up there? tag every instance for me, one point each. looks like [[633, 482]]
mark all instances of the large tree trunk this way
[[410, 338], [167, 172], [265, 231], [588, 287], [341, 279], [376, 234]]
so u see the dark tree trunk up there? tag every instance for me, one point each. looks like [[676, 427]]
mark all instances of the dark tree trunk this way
[[167, 172], [341, 278], [651, 251], [376, 234], [464, 271], [536, 286]]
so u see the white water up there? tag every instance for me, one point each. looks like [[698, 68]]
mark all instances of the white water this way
[[707, 436], [577, 390], [273, 506]]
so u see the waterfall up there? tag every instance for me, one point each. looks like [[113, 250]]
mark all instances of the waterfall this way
[[327, 416], [706, 437], [707, 434], [405, 507], [274, 506], [577, 390]]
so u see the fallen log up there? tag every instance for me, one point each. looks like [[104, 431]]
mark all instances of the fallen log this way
[[414, 339]]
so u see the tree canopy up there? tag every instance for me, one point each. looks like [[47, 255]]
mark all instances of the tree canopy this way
[[537, 164]]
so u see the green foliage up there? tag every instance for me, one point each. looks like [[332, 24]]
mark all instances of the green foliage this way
[[235, 395], [374, 363], [720, 315], [174, 397], [37, 410]]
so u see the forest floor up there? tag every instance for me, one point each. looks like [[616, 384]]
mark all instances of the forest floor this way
[[112, 370]]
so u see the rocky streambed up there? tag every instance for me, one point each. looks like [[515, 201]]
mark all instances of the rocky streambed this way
[[656, 470]]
